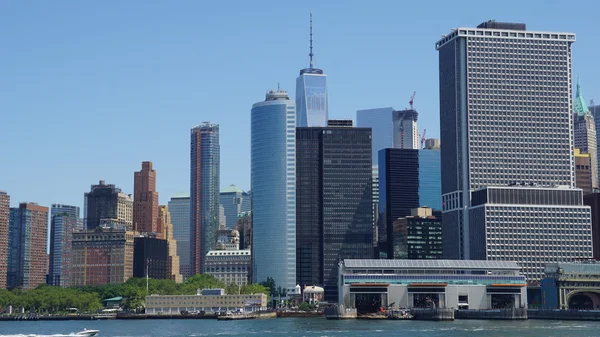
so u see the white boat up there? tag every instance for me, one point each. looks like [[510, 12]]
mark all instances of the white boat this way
[[87, 333]]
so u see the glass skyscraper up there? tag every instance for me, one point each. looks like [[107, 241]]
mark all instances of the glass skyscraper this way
[[382, 128], [179, 207], [64, 219], [233, 200], [273, 185], [204, 193]]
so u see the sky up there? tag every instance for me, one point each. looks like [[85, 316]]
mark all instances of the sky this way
[[90, 89]]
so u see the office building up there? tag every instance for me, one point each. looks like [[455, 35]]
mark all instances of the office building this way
[[340, 123], [232, 199], [4, 228], [145, 200], [408, 179], [107, 204], [179, 208], [334, 202], [244, 227], [585, 135], [204, 192], [432, 144], [311, 93], [405, 132], [519, 132], [207, 300], [228, 263], [583, 171], [64, 220], [101, 256], [27, 258], [273, 185], [150, 257], [593, 200], [382, 128], [418, 236], [174, 264]]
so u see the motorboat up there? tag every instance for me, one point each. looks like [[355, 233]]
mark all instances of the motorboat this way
[[87, 333]]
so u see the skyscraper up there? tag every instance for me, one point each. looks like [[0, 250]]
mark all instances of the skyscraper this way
[[145, 200], [204, 192], [517, 135], [4, 221], [273, 185], [232, 200], [107, 204], [311, 93], [334, 200], [382, 128], [28, 231], [583, 171], [179, 208], [406, 134], [64, 220], [585, 133], [164, 223]]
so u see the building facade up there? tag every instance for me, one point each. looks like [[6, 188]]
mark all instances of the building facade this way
[[101, 256], [27, 258], [145, 201], [204, 192], [382, 128], [406, 134], [64, 220], [229, 263], [593, 200], [151, 257], [583, 171], [334, 202], [418, 236], [244, 227], [585, 134], [232, 199], [432, 144], [4, 229], [408, 179], [516, 128], [273, 185], [105, 203], [574, 286], [174, 265], [179, 208], [175, 304]]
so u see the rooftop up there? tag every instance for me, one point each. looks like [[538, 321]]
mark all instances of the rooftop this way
[[432, 264], [232, 189]]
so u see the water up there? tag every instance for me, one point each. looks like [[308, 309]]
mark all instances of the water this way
[[296, 327]]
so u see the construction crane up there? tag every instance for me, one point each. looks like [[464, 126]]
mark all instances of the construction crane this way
[[412, 99], [423, 138]]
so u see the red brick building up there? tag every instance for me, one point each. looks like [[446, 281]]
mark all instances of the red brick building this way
[[145, 201]]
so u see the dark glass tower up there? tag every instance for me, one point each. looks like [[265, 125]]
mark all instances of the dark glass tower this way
[[334, 218]]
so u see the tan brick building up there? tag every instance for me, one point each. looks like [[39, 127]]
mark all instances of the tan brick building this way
[[164, 223]]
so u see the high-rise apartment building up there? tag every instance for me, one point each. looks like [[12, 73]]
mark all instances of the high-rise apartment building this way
[[64, 220], [583, 171], [107, 204], [405, 132], [585, 134], [145, 200], [311, 93], [408, 179], [101, 256], [179, 208], [516, 86], [382, 128], [204, 192], [164, 222], [28, 230], [232, 200], [4, 225], [334, 203], [273, 185]]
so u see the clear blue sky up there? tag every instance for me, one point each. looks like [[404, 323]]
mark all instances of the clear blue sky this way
[[90, 89]]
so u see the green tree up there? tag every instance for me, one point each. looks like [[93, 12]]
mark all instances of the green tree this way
[[200, 281], [232, 289], [305, 306], [255, 289], [271, 285]]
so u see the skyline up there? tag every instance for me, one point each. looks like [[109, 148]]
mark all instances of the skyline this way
[[111, 78]]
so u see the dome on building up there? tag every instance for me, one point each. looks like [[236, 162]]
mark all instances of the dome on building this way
[[235, 233], [313, 289]]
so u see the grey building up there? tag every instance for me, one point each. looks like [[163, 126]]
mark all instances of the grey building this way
[[179, 207], [334, 198], [518, 129], [107, 204], [382, 128], [406, 134], [64, 220], [205, 168], [232, 198]]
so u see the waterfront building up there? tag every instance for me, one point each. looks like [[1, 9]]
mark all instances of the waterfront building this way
[[232, 199], [585, 134], [179, 208], [334, 204], [369, 285], [145, 200], [432, 144], [164, 222], [105, 203], [418, 236], [516, 133], [207, 300], [101, 256], [64, 220], [229, 263], [382, 128], [311, 93], [583, 171], [204, 192], [405, 132], [408, 179], [4, 229], [571, 285], [150, 257], [27, 257], [273, 185]]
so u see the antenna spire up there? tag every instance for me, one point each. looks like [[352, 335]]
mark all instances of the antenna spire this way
[[311, 52]]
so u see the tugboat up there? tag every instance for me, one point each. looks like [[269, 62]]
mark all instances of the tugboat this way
[[87, 333]]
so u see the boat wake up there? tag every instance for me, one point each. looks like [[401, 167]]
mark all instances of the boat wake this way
[[36, 335]]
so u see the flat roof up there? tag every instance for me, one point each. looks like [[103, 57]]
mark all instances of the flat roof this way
[[432, 264]]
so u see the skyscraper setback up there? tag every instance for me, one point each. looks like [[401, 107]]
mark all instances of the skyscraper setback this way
[[145, 200], [204, 192]]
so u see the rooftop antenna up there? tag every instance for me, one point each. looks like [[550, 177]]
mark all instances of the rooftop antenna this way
[[311, 53]]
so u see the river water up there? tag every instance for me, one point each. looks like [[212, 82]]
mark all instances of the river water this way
[[295, 327]]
